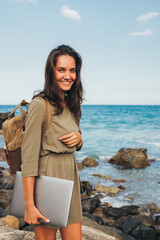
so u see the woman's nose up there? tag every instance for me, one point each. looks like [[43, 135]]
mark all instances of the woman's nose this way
[[67, 75]]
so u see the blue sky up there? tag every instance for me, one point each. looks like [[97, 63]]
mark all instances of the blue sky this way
[[117, 39]]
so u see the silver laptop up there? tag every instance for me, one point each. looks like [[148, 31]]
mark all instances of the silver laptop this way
[[52, 197]]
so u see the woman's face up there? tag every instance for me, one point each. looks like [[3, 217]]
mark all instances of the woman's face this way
[[65, 72]]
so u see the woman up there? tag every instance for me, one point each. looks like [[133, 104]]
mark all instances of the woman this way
[[52, 153]]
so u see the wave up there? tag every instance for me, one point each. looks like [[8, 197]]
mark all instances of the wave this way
[[150, 143]]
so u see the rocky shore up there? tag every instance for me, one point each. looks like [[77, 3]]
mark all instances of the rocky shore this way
[[100, 220]]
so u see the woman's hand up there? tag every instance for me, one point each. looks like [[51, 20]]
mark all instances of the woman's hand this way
[[71, 139], [32, 214]]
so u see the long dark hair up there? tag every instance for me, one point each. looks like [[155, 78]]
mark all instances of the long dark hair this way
[[51, 91]]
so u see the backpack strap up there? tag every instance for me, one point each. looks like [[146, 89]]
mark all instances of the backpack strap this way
[[46, 114], [22, 111]]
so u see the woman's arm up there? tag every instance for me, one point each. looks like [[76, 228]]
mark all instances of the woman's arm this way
[[30, 152], [32, 214]]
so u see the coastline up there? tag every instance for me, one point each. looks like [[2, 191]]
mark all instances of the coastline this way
[[100, 221]]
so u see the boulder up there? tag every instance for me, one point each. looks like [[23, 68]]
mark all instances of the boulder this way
[[94, 218], [90, 162], [119, 180], [157, 220], [144, 233], [85, 185], [89, 205], [11, 221], [128, 224], [153, 207], [3, 117], [131, 158], [2, 154], [5, 197], [105, 189], [7, 182], [99, 212], [101, 176], [80, 165]]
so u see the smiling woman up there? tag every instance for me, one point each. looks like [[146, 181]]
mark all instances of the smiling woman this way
[[65, 72], [52, 153]]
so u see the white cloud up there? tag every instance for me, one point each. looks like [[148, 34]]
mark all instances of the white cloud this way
[[70, 13], [144, 33], [148, 16]]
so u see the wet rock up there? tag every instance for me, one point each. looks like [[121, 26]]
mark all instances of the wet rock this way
[[105, 189], [128, 224], [156, 229], [131, 158], [121, 187], [99, 212], [4, 203], [90, 204], [95, 218], [153, 207], [101, 176], [85, 185], [114, 212], [6, 174], [8, 182], [2, 154], [130, 209], [109, 230], [5, 197], [119, 180], [90, 192], [144, 233], [147, 220], [157, 220], [90, 162], [80, 165], [11, 221], [3, 117], [109, 221]]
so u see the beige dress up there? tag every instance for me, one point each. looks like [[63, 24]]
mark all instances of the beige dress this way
[[47, 155]]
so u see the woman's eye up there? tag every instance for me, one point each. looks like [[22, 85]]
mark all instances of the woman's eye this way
[[73, 70], [61, 70]]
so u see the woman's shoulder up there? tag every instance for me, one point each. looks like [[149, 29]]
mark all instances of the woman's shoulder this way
[[36, 103]]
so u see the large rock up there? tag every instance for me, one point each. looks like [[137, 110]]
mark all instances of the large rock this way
[[105, 189], [144, 233], [2, 154], [8, 182], [5, 197], [85, 185], [3, 117], [101, 176], [90, 162], [89, 205], [128, 224], [90, 231], [131, 158], [11, 221]]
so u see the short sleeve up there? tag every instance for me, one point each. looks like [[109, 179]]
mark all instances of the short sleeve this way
[[31, 140]]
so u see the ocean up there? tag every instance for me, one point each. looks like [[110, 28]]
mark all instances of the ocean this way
[[105, 130]]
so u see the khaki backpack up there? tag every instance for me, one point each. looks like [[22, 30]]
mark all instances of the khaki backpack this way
[[13, 128]]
